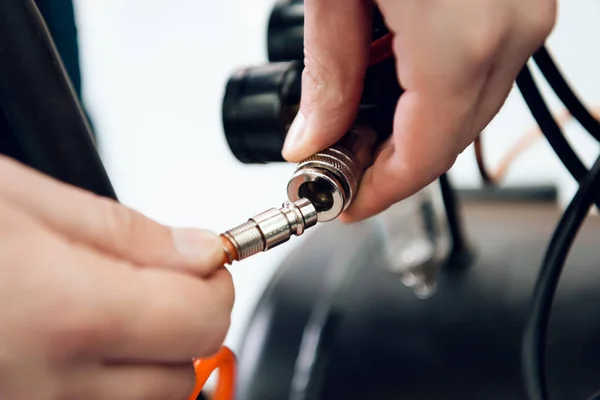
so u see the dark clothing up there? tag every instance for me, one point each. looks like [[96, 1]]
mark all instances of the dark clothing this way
[[60, 20]]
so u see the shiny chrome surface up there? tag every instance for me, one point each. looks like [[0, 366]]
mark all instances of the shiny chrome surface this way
[[270, 229], [417, 238], [327, 184], [330, 178]]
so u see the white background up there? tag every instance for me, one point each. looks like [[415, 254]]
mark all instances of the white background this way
[[154, 74]]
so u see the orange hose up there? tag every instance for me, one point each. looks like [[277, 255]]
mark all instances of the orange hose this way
[[224, 361]]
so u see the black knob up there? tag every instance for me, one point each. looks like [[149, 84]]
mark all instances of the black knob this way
[[261, 102], [285, 39], [259, 105]]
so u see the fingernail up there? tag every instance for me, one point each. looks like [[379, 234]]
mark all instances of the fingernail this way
[[295, 136], [198, 247]]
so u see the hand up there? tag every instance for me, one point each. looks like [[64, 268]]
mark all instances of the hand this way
[[456, 60], [99, 302]]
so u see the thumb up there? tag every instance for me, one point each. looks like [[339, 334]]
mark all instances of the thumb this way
[[106, 225], [337, 36]]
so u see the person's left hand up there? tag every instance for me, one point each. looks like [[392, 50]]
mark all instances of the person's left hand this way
[[99, 301]]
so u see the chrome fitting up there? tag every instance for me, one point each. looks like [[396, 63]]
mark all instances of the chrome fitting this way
[[268, 229], [330, 178]]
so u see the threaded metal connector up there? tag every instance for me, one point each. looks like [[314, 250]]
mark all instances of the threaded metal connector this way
[[268, 229]]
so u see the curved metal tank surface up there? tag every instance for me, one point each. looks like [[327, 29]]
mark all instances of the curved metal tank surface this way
[[336, 323]]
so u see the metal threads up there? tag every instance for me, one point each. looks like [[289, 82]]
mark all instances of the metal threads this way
[[269, 229], [246, 238]]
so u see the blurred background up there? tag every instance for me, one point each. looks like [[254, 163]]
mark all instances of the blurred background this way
[[154, 74]]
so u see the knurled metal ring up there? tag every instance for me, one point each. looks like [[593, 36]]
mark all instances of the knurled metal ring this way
[[339, 162]]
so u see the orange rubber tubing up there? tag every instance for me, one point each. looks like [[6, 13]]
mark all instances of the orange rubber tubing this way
[[224, 361]]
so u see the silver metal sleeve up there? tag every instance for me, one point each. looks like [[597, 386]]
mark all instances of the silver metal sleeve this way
[[272, 228], [331, 177]]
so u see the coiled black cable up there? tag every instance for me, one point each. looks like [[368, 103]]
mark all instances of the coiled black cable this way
[[559, 85], [534, 339], [532, 96]]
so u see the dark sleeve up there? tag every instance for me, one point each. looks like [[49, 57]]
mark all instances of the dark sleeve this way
[[60, 19]]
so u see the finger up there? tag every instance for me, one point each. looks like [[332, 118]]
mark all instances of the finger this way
[[105, 308], [513, 56], [171, 317], [434, 116], [125, 382], [131, 315], [337, 36], [106, 225], [420, 150]]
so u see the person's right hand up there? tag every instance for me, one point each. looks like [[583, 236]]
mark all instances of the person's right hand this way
[[456, 60], [99, 302]]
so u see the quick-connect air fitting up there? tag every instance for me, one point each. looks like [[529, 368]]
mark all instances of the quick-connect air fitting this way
[[321, 188], [330, 178], [268, 229]]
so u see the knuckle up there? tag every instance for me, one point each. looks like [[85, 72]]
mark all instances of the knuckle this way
[[444, 166], [543, 19], [480, 47], [485, 41], [430, 168], [118, 219], [120, 224]]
